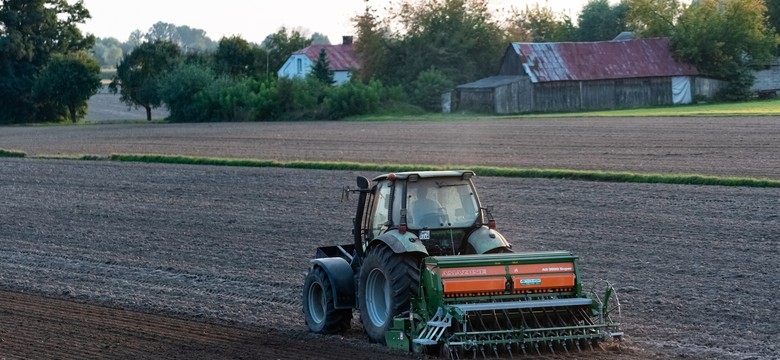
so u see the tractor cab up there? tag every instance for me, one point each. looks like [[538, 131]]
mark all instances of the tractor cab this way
[[441, 209]]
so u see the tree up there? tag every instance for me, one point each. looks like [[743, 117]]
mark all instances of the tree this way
[[187, 38], [234, 57], [31, 33], [773, 12], [542, 24], [371, 45], [458, 37], [654, 18], [428, 87], [68, 81], [162, 31], [319, 39], [107, 51], [138, 75], [193, 40], [178, 90], [321, 70], [281, 44], [600, 21], [724, 39], [135, 39]]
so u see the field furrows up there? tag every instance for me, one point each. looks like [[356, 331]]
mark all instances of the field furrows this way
[[210, 245], [82, 331], [743, 146]]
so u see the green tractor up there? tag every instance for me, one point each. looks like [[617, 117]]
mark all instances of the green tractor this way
[[429, 273]]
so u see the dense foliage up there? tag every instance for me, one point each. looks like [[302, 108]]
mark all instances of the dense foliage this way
[[138, 75], [66, 83], [410, 56], [725, 39], [32, 33]]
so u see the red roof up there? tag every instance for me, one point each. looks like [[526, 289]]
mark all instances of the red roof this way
[[574, 61], [340, 57]]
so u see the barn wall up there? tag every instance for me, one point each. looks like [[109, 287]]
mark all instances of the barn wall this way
[[706, 87], [601, 94], [475, 100], [511, 64], [559, 96], [767, 79], [556, 96], [640, 92], [509, 98]]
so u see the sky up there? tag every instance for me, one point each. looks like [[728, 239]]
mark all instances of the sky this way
[[253, 20]]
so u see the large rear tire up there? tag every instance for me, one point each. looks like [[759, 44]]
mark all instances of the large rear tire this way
[[318, 307], [387, 282]]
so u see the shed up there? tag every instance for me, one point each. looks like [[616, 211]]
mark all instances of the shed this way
[[767, 80], [572, 76]]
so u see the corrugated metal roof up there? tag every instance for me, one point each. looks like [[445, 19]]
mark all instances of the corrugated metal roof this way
[[493, 81], [341, 57], [575, 61]]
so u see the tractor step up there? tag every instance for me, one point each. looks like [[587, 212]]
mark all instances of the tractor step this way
[[434, 328]]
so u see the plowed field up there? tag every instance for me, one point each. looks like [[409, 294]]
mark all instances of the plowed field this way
[[744, 146], [102, 260]]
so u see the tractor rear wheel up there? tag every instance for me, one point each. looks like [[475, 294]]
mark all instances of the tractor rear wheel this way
[[387, 282], [318, 307]]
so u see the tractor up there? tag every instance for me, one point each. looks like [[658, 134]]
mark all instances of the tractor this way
[[428, 272]]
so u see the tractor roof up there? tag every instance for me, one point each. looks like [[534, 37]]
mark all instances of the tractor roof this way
[[427, 174]]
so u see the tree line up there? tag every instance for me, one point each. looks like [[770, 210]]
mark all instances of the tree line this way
[[410, 54]]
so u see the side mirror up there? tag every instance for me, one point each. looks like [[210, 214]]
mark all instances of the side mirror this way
[[363, 183]]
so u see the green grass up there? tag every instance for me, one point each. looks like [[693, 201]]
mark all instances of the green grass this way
[[12, 153], [70, 157], [587, 175], [758, 107], [750, 108]]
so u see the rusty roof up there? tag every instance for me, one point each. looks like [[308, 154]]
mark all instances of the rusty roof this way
[[341, 57], [574, 61]]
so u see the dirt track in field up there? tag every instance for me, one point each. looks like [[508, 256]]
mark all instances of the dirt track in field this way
[[744, 146], [168, 261]]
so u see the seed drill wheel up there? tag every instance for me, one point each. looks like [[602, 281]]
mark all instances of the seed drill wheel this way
[[318, 309], [387, 281]]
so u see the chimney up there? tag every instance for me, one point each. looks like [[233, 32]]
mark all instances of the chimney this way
[[346, 40]]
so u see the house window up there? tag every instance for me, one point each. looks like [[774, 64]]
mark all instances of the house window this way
[[300, 66]]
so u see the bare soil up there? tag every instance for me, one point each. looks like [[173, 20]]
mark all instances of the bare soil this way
[[105, 106], [742, 146], [114, 260]]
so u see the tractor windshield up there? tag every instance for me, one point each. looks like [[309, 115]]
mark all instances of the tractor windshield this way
[[441, 203]]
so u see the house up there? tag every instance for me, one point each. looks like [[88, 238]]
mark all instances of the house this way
[[574, 76], [342, 58]]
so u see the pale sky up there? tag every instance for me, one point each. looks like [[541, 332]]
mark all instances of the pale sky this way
[[251, 19]]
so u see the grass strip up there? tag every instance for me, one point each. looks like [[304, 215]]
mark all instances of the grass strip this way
[[12, 153], [70, 157], [587, 175]]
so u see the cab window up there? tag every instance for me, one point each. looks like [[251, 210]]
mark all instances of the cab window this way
[[381, 209]]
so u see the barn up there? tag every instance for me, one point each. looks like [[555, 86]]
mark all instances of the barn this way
[[575, 76]]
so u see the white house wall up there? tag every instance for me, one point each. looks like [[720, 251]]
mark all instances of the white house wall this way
[[290, 69], [341, 77], [297, 65]]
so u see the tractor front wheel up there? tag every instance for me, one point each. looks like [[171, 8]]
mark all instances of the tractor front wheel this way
[[318, 307], [387, 282]]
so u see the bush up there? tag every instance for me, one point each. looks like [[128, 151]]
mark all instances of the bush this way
[[354, 98], [179, 88], [230, 100], [738, 88], [426, 90]]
